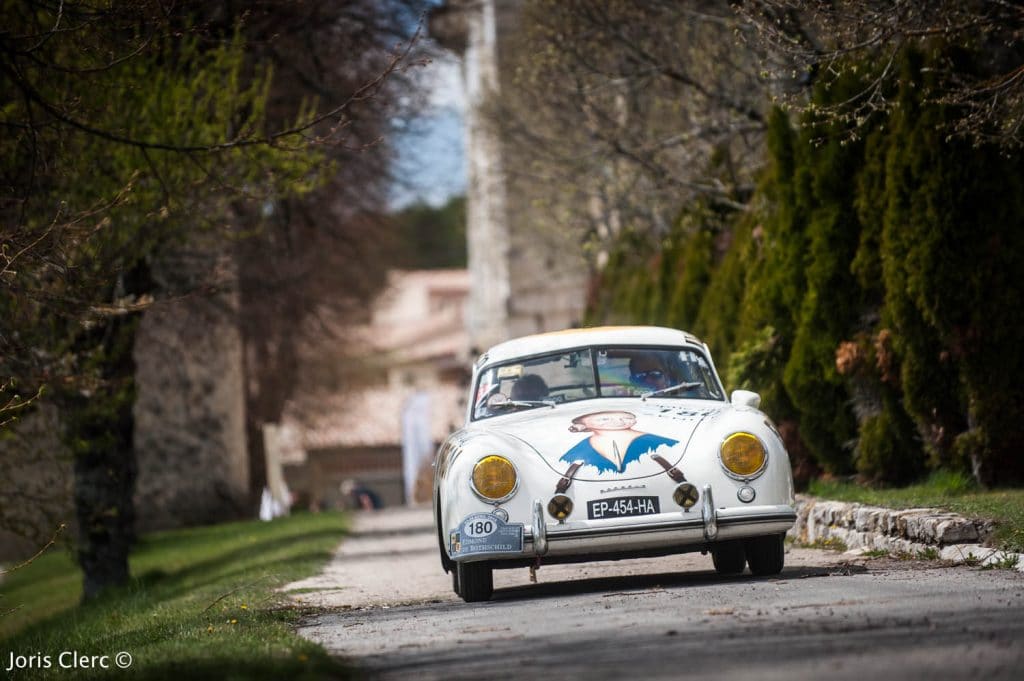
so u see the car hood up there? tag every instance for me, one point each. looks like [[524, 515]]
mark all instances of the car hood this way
[[564, 435]]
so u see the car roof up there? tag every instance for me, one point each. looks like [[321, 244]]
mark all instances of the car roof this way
[[573, 338]]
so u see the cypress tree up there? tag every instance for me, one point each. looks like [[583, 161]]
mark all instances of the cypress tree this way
[[953, 247], [928, 375], [831, 303], [872, 292], [775, 279], [718, 309], [694, 259]]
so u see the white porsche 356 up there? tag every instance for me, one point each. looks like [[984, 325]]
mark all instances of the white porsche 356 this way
[[608, 443]]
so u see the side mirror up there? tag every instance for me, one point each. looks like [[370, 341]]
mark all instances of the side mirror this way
[[745, 398]]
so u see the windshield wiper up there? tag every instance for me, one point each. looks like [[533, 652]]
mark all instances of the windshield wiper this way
[[689, 385], [522, 404]]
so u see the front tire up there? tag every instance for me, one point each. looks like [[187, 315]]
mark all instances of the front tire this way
[[476, 581], [766, 555], [729, 557], [455, 580]]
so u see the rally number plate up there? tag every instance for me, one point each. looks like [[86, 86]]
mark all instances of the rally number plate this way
[[622, 507], [481, 533]]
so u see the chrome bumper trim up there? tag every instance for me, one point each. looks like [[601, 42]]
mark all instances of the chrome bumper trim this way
[[540, 530], [656, 528], [708, 514]]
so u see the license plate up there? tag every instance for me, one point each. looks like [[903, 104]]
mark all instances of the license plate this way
[[622, 507]]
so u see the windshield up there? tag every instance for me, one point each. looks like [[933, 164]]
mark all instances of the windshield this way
[[587, 373]]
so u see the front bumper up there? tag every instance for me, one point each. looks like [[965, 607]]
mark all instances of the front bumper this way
[[683, 530]]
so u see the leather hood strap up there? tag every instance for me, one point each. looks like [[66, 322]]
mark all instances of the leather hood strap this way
[[566, 480], [672, 471]]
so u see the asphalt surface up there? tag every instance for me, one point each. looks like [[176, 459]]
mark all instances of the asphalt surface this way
[[387, 608]]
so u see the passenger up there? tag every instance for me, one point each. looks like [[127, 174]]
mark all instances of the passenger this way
[[529, 388]]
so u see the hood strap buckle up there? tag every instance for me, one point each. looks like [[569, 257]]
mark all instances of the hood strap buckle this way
[[672, 471], [566, 480]]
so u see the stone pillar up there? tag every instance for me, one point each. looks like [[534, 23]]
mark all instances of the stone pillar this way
[[523, 279], [487, 228]]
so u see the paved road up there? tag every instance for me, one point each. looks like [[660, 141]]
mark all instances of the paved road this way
[[392, 613]]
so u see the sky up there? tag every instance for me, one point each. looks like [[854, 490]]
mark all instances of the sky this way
[[431, 161]]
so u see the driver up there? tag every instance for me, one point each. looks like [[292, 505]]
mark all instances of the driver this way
[[648, 372]]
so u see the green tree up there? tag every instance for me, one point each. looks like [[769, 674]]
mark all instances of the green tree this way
[[950, 251], [694, 262], [867, 287], [429, 237], [775, 273], [820, 41], [831, 304], [718, 313], [129, 130], [119, 159]]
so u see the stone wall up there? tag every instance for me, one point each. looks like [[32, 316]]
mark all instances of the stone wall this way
[[36, 495], [857, 525], [189, 433], [915, 532], [190, 413]]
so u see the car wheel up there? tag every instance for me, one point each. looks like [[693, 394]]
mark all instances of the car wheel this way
[[729, 557], [476, 581], [766, 555], [455, 580]]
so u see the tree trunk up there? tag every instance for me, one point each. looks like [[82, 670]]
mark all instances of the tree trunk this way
[[104, 481], [98, 429], [271, 372]]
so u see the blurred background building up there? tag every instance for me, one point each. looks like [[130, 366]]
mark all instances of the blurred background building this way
[[406, 389]]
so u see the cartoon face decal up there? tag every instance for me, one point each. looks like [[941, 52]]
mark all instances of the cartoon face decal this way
[[601, 421], [613, 443]]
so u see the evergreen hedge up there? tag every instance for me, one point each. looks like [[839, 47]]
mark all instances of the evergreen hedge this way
[[872, 293]]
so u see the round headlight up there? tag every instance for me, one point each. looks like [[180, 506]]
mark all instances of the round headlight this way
[[494, 478], [743, 455]]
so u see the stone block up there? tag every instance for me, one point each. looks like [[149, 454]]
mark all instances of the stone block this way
[[955, 531]]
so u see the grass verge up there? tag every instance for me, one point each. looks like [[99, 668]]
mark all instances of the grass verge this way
[[202, 605], [942, 490]]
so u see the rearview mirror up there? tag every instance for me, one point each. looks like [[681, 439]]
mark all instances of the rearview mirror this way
[[745, 398]]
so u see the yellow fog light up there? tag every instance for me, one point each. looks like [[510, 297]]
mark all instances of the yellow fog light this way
[[743, 455], [494, 478]]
